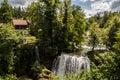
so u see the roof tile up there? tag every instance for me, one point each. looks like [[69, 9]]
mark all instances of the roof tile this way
[[20, 22]]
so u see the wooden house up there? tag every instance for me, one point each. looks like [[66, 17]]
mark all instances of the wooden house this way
[[20, 24]]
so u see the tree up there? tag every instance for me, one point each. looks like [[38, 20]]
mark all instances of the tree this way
[[5, 12], [73, 26], [19, 12], [50, 24], [112, 25], [79, 26], [117, 42], [67, 26], [105, 18], [8, 40], [35, 14], [94, 34]]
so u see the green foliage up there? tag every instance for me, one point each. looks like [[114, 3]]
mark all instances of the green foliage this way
[[8, 40], [49, 25], [106, 29], [9, 77], [113, 25], [105, 18], [13, 77], [25, 57], [5, 12], [30, 39], [25, 78], [58, 25], [37, 67], [74, 27], [18, 12], [97, 36], [104, 66], [35, 13], [8, 35], [94, 34], [117, 43]]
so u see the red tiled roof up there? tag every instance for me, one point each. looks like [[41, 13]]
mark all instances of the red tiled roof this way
[[20, 22]]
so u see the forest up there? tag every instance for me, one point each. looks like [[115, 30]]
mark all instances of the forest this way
[[55, 27]]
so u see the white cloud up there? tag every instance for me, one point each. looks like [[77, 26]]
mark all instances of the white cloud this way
[[80, 0], [28, 2], [92, 0], [99, 6], [89, 13], [83, 0], [115, 4], [23, 3]]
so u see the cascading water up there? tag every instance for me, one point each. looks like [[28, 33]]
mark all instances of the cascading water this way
[[70, 64], [37, 53]]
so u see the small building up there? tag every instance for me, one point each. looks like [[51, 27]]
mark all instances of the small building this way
[[20, 24]]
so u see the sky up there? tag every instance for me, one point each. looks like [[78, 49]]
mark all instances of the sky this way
[[90, 7]]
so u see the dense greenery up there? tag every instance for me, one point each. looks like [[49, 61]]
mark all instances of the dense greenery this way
[[5, 12], [19, 12], [8, 41], [59, 27]]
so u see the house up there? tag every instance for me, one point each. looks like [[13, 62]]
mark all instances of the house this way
[[20, 24]]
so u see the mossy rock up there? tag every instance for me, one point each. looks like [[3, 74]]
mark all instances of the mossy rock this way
[[45, 75]]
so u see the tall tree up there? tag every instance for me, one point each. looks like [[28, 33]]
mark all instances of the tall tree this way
[[79, 25], [112, 25], [117, 42], [5, 12], [94, 34], [67, 24], [19, 12], [50, 25], [35, 14]]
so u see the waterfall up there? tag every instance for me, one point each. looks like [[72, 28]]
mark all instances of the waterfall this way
[[70, 64], [37, 54]]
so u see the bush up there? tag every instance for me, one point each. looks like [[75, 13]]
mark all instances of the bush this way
[[24, 59], [9, 77]]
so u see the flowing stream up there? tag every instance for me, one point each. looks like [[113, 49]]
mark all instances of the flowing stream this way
[[37, 53]]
